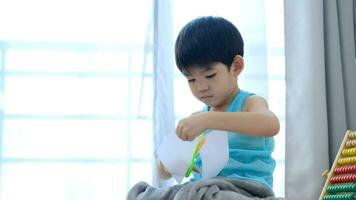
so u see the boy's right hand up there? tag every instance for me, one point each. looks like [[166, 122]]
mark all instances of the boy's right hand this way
[[162, 171], [191, 127]]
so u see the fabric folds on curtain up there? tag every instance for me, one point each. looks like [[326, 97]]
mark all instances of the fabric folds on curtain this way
[[340, 70], [321, 89], [163, 112]]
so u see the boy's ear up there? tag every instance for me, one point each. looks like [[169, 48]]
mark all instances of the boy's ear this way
[[237, 65]]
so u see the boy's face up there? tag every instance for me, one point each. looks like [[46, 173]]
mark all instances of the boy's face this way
[[214, 85]]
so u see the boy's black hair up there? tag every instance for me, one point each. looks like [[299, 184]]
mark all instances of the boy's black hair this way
[[207, 40]]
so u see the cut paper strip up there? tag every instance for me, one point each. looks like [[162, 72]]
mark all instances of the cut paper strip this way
[[176, 154]]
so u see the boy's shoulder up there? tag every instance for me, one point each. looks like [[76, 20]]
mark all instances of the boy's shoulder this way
[[254, 102]]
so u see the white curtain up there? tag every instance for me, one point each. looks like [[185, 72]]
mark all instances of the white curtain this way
[[163, 113], [321, 85]]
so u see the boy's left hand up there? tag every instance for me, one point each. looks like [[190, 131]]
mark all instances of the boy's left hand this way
[[191, 127]]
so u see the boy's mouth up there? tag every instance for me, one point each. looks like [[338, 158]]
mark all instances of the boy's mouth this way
[[206, 97]]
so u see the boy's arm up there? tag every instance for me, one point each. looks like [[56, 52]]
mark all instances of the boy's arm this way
[[255, 119]]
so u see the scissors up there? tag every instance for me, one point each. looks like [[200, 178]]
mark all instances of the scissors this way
[[197, 148]]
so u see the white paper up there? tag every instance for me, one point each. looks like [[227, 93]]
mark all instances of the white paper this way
[[214, 154], [176, 154]]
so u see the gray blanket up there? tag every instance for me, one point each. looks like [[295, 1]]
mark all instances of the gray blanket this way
[[215, 188]]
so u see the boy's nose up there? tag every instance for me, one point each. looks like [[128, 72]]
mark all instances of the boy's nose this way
[[202, 87]]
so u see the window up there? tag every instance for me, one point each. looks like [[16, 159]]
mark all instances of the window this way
[[73, 101]]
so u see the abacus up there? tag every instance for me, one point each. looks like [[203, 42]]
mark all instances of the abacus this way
[[341, 180]]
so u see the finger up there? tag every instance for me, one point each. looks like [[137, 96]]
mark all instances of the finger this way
[[181, 136], [179, 131], [184, 137], [183, 133], [190, 137], [196, 170]]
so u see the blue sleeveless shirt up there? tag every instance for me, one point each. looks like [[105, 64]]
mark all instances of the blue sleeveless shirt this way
[[249, 156]]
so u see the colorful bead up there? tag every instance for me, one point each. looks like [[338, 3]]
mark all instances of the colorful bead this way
[[352, 135], [347, 161], [348, 152], [350, 143], [345, 169], [340, 197], [343, 178], [342, 188]]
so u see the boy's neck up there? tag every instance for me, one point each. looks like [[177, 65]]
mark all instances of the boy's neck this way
[[228, 101]]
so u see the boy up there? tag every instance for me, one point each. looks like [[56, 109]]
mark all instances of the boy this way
[[209, 53]]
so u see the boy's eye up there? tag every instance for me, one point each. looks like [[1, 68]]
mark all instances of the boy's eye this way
[[210, 76], [191, 80]]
